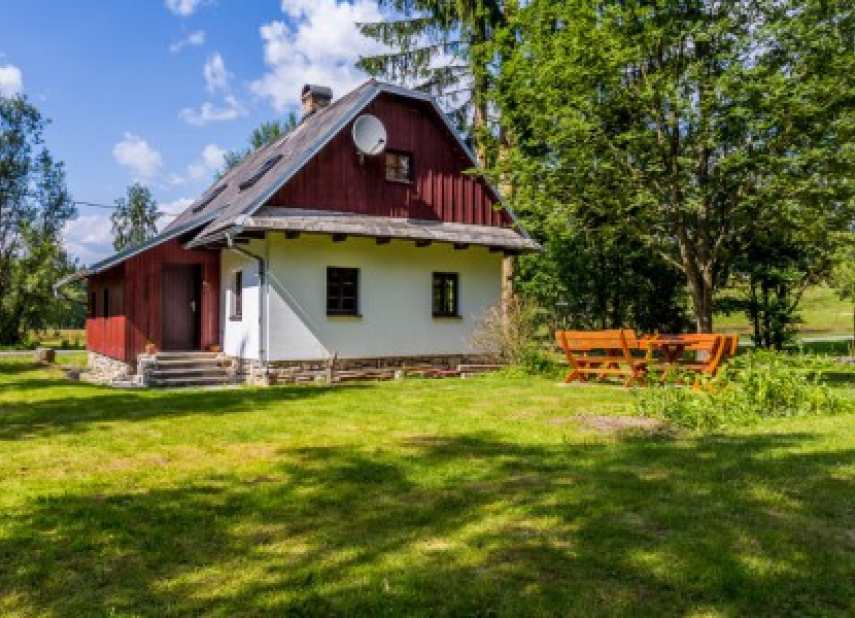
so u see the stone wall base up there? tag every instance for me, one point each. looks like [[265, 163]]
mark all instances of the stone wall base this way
[[105, 369], [292, 372]]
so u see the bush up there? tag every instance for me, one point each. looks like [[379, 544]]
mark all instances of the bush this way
[[517, 338], [751, 387]]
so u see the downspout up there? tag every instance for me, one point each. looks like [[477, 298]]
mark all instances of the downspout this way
[[262, 297]]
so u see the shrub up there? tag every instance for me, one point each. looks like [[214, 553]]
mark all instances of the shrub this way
[[516, 337], [751, 387]]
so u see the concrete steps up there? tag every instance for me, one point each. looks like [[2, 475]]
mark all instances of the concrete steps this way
[[187, 369]]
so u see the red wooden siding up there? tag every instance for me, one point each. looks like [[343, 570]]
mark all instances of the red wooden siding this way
[[105, 328], [336, 180], [136, 311], [144, 300]]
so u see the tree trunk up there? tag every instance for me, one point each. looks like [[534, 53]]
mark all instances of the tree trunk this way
[[701, 290]]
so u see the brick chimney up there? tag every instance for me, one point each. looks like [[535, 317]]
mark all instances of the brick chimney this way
[[315, 98]]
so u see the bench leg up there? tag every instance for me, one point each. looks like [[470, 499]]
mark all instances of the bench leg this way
[[573, 376]]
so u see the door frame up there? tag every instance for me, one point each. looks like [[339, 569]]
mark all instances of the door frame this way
[[196, 295]]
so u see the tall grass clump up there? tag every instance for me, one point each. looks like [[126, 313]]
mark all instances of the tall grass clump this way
[[751, 387], [517, 336]]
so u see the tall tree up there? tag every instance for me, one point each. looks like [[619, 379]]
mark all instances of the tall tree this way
[[135, 218], [693, 122], [34, 206], [264, 134], [443, 48]]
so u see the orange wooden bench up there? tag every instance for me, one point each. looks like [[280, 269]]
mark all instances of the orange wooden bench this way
[[732, 346], [601, 353], [709, 351]]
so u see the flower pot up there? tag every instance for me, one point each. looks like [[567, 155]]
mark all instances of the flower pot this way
[[150, 349], [214, 347]]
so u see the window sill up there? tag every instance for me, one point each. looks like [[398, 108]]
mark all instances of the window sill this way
[[399, 182], [236, 318], [344, 316], [446, 316]]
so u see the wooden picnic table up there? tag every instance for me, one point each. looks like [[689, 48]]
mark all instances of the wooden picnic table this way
[[672, 346], [709, 350]]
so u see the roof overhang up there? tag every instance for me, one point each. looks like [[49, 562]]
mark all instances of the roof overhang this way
[[295, 220], [121, 256]]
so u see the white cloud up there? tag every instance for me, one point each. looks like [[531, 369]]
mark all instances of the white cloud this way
[[89, 237], [184, 8], [175, 208], [209, 162], [216, 75], [209, 112], [319, 44], [134, 152], [217, 79], [11, 81], [195, 39]]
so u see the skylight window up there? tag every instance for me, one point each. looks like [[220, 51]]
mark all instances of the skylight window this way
[[266, 167], [202, 205]]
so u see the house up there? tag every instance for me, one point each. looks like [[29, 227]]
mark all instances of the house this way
[[313, 249]]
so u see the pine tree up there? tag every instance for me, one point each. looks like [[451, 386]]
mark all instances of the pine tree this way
[[445, 49]]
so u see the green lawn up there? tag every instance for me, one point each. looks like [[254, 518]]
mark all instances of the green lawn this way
[[480, 497], [66, 339], [822, 311]]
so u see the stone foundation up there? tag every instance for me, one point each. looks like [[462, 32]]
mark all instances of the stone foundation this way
[[291, 372], [105, 369]]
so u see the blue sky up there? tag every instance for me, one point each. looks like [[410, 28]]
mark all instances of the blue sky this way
[[157, 90]]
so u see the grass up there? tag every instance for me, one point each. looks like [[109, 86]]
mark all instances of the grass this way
[[65, 339], [474, 497], [822, 311]]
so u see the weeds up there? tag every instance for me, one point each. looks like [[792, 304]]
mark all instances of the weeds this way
[[751, 387]]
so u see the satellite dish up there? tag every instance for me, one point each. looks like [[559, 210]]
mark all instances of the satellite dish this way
[[369, 135]]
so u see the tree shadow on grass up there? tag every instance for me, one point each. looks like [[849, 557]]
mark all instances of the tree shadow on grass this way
[[459, 525], [23, 415]]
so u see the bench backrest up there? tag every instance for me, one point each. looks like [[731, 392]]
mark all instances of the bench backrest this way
[[714, 346], [611, 342], [732, 344]]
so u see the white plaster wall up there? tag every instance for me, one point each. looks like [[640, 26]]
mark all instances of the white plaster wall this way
[[240, 337], [394, 298]]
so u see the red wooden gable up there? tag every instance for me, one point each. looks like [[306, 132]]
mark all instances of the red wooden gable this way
[[335, 179]]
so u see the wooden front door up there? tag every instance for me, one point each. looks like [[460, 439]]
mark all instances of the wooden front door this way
[[182, 307]]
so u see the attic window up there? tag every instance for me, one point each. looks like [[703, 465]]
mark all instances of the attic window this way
[[210, 198], [399, 166], [268, 165]]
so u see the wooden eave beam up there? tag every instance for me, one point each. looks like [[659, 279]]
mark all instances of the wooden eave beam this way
[[460, 246], [423, 243], [292, 235], [339, 237]]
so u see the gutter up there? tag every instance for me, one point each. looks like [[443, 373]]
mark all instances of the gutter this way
[[262, 293]]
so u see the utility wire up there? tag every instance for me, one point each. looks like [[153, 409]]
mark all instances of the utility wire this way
[[160, 213]]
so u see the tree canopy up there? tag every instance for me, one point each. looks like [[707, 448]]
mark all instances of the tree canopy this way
[[135, 218], [34, 207], [707, 129], [444, 48]]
